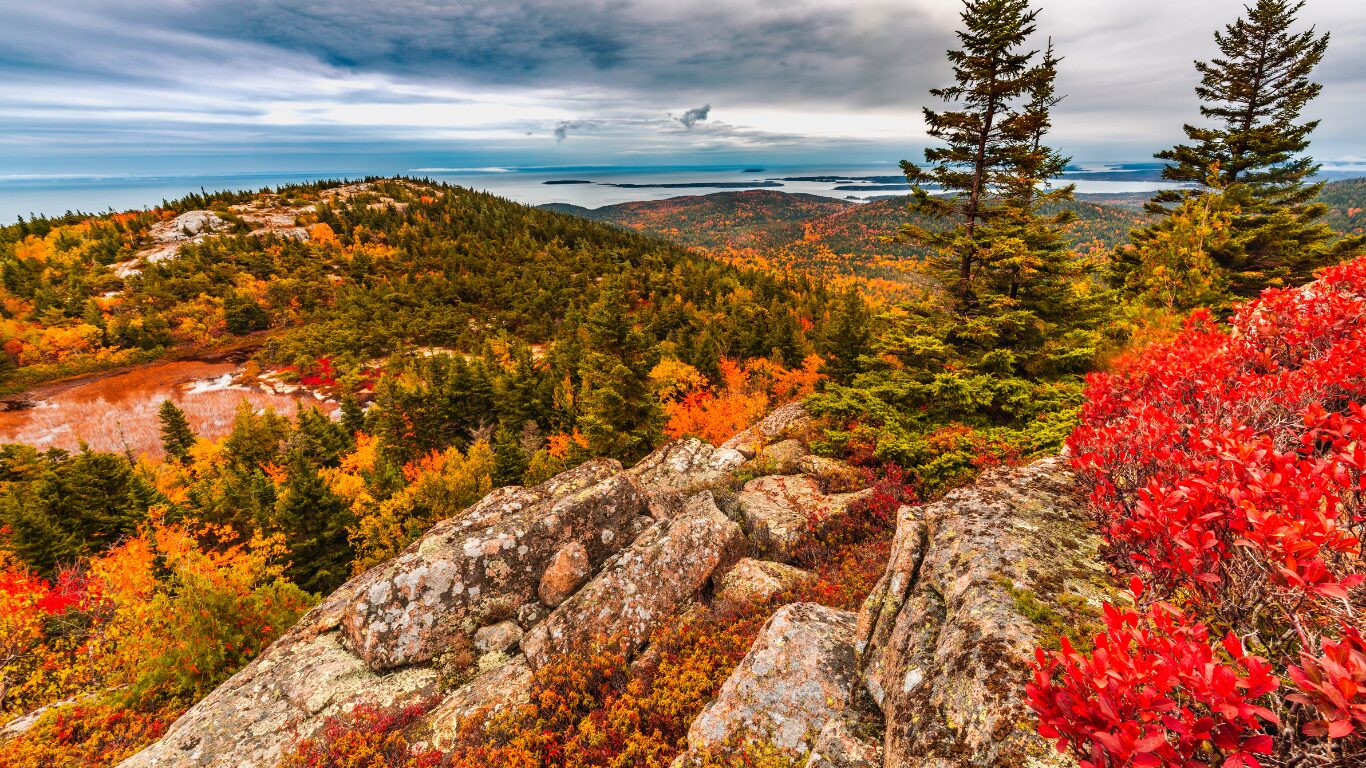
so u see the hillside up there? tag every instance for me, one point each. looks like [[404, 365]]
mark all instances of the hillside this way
[[822, 237]]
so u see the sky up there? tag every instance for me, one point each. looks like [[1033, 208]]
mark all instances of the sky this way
[[165, 86]]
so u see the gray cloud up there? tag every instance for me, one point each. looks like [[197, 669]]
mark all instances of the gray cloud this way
[[395, 71], [694, 116]]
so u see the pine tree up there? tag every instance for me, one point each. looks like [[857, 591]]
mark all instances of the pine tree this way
[[620, 415], [986, 141], [848, 335], [1253, 96], [314, 521], [176, 436], [509, 462]]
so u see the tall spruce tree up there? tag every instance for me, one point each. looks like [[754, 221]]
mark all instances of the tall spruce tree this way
[[986, 141], [176, 436], [1254, 145]]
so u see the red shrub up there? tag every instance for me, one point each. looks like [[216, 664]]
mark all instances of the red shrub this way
[[1228, 470]]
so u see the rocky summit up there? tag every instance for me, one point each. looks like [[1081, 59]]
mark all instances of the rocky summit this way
[[928, 673]]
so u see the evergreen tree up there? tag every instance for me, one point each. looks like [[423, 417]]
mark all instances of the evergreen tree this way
[[848, 335], [80, 505], [176, 436], [1253, 96], [314, 521], [620, 416], [509, 462], [986, 141]]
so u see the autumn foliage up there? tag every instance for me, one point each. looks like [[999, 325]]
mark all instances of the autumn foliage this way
[[746, 391], [1228, 470]]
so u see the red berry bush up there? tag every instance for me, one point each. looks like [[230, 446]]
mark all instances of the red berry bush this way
[[1227, 474]]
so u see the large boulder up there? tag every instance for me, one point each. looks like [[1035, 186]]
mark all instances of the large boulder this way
[[975, 582], [482, 567], [800, 675], [778, 511], [668, 564]]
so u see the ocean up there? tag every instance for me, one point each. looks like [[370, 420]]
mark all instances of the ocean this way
[[591, 187]]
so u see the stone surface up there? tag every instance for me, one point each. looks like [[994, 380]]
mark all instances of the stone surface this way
[[482, 566], [500, 637], [505, 686], [950, 629], [751, 581], [833, 475], [838, 746], [798, 676], [568, 569], [685, 466], [642, 585], [290, 689], [781, 458], [790, 417], [776, 511]]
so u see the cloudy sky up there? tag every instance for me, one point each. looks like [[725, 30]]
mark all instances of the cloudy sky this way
[[164, 85]]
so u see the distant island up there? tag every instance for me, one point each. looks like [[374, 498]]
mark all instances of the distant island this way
[[701, 185], [754, 170], [567, 181]]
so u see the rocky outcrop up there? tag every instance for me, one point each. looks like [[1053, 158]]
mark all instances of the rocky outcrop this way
[[799, 676], [778, 510], [480, 568], [975, 582], [936, 659], [668, 564]]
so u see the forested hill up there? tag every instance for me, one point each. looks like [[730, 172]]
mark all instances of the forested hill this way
[[817, 235], [831, 237]]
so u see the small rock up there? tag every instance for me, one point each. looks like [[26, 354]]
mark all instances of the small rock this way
[[837, 746], [752, 581], [779, 510], [790, 417], [834, 476], [500, 637], [684, 467], [567, 571]]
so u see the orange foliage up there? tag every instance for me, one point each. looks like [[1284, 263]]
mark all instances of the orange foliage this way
[[746, 393]]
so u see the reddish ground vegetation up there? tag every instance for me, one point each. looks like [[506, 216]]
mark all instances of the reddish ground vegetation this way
[[1228, 475]]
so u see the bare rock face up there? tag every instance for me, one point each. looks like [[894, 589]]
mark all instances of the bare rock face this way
[[569, 568], [481, 567], [800, 675], [777, 511], [292, 688], [751, 581], [782, 458], [950, 628], [792, 416], [503, 687], [666, 566], [838, 746]]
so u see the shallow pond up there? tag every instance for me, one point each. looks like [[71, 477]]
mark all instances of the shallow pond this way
[[118, 411]]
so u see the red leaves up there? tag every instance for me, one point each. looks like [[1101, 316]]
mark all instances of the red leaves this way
[[1154, 692], [1333, 685], [1229, 472]]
